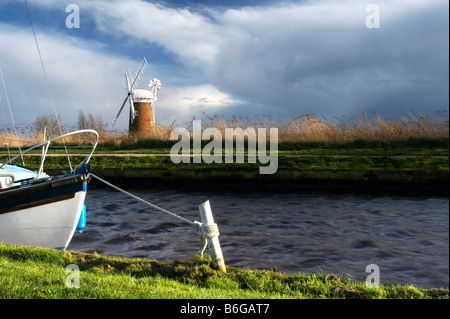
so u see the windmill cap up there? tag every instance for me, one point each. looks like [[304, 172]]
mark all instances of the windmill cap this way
[[142, 95]]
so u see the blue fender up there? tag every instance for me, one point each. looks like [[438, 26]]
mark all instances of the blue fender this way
[[82, 221]]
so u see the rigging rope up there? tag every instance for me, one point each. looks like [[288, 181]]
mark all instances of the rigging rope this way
[[206, 231], [10, 113], [142, 200], [48, 84]]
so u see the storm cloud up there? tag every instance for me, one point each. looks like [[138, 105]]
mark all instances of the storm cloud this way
[[317, 55], [286, 58]]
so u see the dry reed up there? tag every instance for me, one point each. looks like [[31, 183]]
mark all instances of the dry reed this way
[[313, 128], [304, 128]]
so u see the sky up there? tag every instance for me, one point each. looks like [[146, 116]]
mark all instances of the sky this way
[[234, 58]]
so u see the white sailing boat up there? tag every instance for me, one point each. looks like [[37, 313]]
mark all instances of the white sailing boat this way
[[41, 210]]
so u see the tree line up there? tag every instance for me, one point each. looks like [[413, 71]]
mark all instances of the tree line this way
[[49, 123]]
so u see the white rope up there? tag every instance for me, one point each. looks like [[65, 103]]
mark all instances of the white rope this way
[[205, 231], [204, 243], [142, 200]]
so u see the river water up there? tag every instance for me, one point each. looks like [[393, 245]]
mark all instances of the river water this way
[[407, 237]]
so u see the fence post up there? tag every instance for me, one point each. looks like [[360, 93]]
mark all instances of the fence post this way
[[213, 243]]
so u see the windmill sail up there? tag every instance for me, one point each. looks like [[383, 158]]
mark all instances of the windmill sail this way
[[139, 73], [154, 86], [129, 89], [121, 108]]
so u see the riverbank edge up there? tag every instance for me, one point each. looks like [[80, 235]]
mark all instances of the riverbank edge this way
[[432, 181], [106, 276]]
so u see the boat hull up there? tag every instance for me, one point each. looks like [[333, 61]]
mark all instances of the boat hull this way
[[45, 214]]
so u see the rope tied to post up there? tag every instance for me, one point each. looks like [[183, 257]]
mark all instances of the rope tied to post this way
[[207, 231]]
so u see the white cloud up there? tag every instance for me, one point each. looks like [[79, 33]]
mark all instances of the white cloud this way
[[193, 37], [80, 77], [194, 100]]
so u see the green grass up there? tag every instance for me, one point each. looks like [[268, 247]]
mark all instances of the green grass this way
[[410, 147], [355, 162], [419, 146], [31, 272], [412, 160]]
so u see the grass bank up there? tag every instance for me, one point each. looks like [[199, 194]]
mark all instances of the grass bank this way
[[420, 163], [31, 272], [291, 168]]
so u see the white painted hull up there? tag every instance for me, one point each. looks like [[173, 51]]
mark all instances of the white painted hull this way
[[41, 210], [50, 225]]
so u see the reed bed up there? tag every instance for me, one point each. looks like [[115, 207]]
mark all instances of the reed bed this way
[[306, 128], [310, 127], [313, 128]]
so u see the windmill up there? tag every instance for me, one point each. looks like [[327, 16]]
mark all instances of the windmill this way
[[142, 103]]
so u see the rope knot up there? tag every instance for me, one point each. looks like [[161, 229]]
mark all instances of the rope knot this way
[[207, 231]]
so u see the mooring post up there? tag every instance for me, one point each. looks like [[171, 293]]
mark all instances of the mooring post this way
[[213, 243]]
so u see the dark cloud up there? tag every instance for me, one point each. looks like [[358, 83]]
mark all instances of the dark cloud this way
[[284, 58], [335, 67]]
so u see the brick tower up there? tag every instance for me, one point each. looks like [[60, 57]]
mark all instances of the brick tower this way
[[142, 121]]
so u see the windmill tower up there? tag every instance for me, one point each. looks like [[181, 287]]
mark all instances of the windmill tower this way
[[142, 103]]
